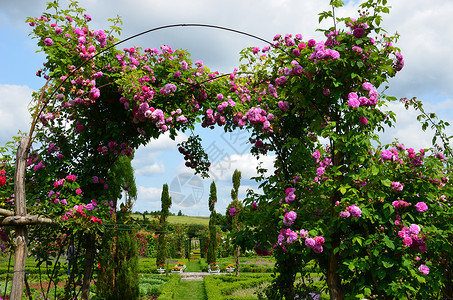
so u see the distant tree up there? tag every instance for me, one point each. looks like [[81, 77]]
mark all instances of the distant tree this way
[[180, 213], [222, 222], [234, 210], [162, 242], [212, 241]]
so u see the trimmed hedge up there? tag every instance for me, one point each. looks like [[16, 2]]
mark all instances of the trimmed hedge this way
[[152, 284], [168, 290], [219, 287]]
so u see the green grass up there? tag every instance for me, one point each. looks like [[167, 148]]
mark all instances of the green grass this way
[[184, 220], [190, 290], [232, 287], [188, 220]]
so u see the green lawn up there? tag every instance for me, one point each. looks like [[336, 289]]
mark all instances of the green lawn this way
[[179, 219], [190, 290]]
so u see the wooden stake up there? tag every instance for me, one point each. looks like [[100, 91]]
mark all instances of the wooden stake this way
[[21, 230]]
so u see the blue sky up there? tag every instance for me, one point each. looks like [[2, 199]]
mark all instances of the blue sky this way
[[424, 42]]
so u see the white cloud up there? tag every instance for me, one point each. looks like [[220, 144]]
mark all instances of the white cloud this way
[[150, 170], [14, 115], [408, 130], [149, 193], [246, 163], [164, 142]]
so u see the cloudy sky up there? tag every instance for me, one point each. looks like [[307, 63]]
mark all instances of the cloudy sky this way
[[425, 42]]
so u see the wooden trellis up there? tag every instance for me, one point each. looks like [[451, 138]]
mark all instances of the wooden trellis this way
[[20, 219]]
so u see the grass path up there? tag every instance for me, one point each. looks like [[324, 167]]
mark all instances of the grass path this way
[[193, 266], [191, 290]]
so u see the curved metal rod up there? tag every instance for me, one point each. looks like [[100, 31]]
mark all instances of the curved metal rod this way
[[132, 37]]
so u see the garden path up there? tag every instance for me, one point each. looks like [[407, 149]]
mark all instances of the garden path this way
[[191, 290]]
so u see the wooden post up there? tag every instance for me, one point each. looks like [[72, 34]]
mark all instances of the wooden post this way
[[21, 230]]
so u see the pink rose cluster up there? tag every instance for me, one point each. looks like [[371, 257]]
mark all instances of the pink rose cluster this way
[[233, 211], [321, 53], [351, 211], [289, 218], [355, 101], [423, 269], [358, 28], [399, 62], [54, 197], [2, 177], [397, 204], [113, 146], [411, 237], [323, 165], [211, 118], [288, 237], [290, 195], [391, 155], [81, 210], [259, 116], [421, 207], [416, 160], [313, 243], [397, 186]]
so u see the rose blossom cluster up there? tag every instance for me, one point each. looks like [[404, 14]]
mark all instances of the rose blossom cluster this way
[[354, 101], [323, 165], [397, 186], [233, 211], [421, 207], [423, 269], [2, 177], [113, 146], [410, 237], [288, 237], [321, 53], [351, 211], [289, 218], [290, 195], [391, 155], [358, 28], [313, 243], [81, 210], [397, 204]]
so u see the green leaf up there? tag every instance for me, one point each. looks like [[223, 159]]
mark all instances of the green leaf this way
[[343, 190], [374, 170], [421, 279], [386, 182], [387, 265], [389, 243], [357, 240]]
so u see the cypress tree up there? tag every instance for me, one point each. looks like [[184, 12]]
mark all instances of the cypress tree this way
[[212, 242], [237, 205], [162, 252], [118, 258]]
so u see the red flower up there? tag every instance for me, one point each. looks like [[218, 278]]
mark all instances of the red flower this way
[[2, 180]]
